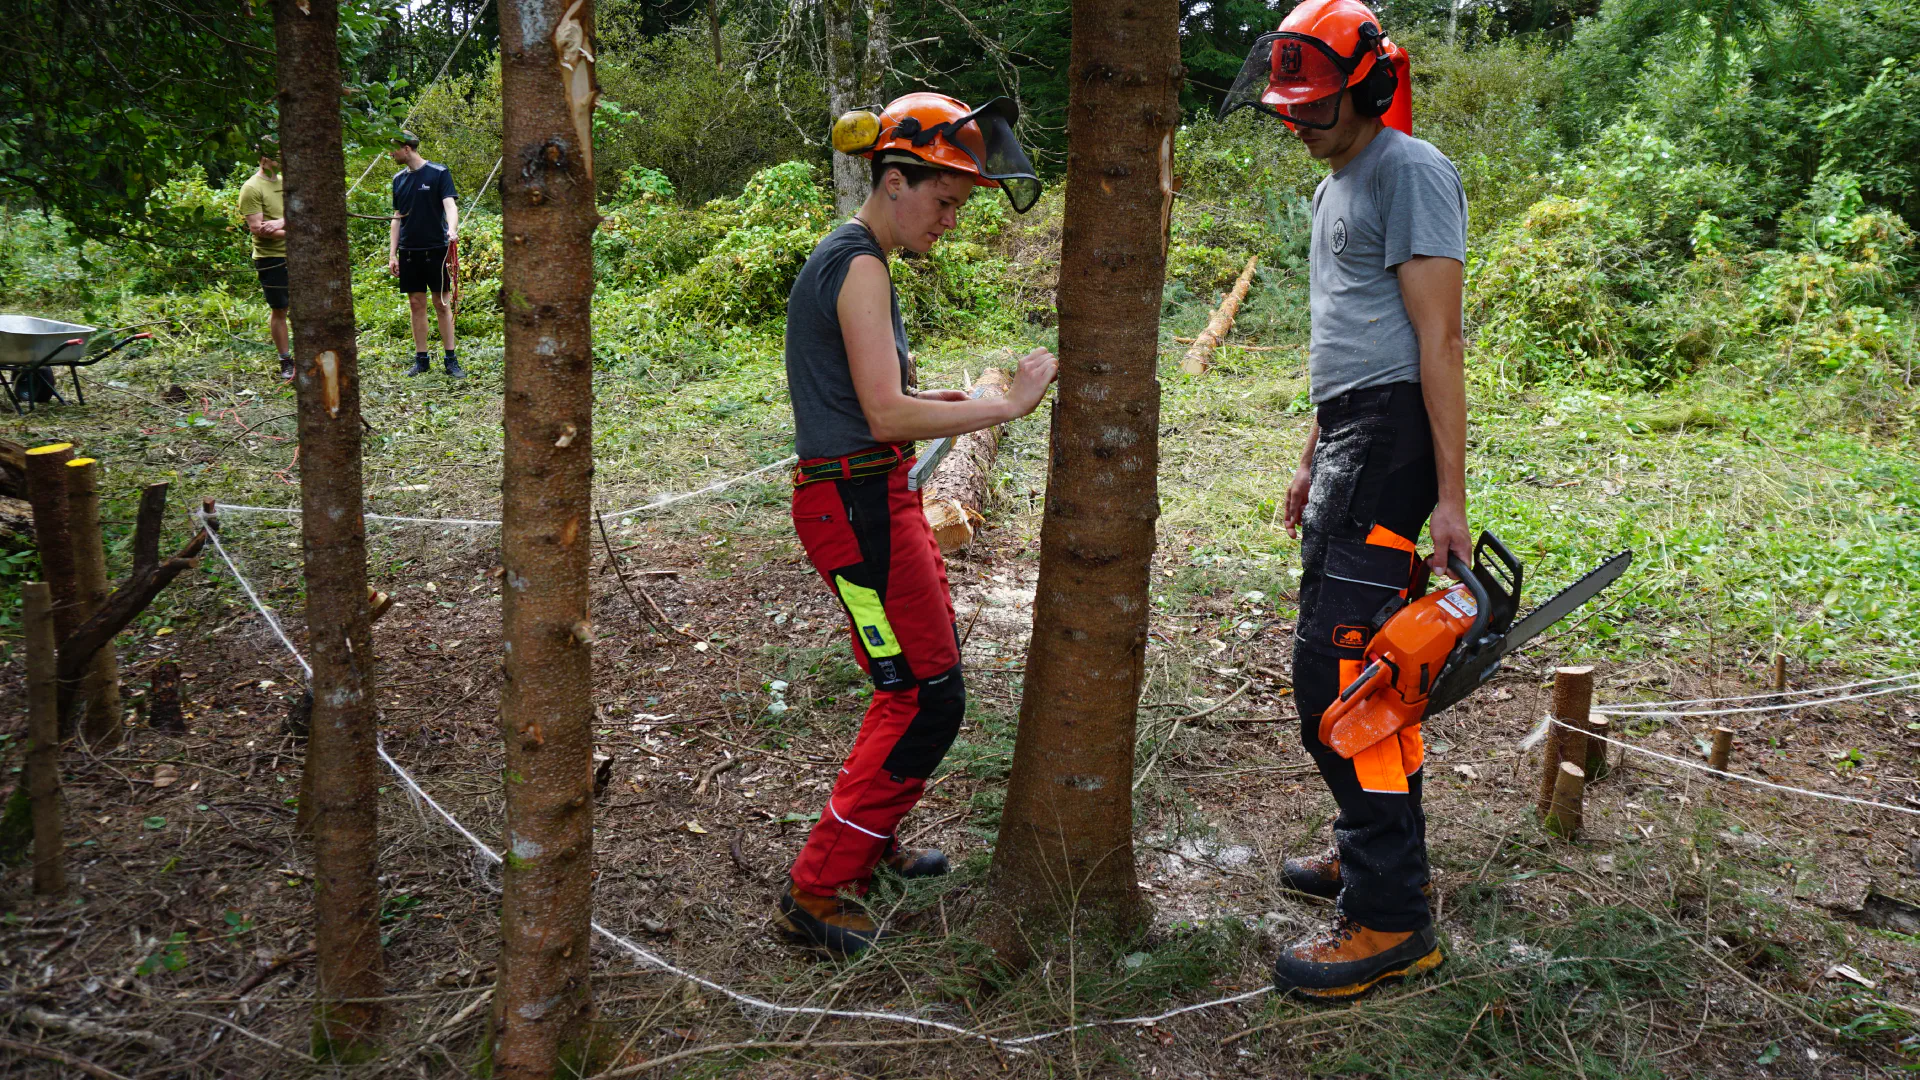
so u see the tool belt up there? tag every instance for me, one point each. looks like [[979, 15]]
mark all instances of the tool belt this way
[[878, 461]]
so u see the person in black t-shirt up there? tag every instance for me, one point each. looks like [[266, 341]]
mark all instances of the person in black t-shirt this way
[[426, 218]]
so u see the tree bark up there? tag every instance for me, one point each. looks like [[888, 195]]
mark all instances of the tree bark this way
[[850, 173], [46, 470], [713, 27], [956, 495], [343, 806], [1200, 355], [13, 469], [100, 684], [542, 1002], [1066, 834], [43, 754]]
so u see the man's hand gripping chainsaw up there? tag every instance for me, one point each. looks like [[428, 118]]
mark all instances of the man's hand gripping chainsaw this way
[[1431, 651]]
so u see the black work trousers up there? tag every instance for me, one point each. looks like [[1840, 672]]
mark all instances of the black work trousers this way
[[1374, 486]]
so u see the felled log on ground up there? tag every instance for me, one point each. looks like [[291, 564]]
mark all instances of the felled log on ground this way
[[1200, 355], [956, 494]]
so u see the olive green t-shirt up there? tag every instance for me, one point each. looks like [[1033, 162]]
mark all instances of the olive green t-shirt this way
[[261, 195]]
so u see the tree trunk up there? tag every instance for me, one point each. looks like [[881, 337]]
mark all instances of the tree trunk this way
[[542, 1003], [850, 173], [100, 684], [46, 469], [1066, 834], [1200, 356], [956, 495], [43, 752], [713, 27], [879, 56], [342, 807]]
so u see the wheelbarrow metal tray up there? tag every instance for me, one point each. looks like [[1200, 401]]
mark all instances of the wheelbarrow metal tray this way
[[26, 340]]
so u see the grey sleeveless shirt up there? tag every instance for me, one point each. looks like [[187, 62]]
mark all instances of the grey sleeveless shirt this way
[[827, 420]]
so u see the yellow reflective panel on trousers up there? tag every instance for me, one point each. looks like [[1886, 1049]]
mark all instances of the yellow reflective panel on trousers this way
[[869, 618]]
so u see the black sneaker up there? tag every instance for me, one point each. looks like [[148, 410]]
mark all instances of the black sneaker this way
[[831, 924], [286, 369], [454, 370], [421, 365]]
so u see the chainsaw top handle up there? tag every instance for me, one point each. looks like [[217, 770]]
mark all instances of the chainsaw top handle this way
[[1482, 603]]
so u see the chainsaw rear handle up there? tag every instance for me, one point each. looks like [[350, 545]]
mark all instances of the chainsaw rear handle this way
[[1482, 604]]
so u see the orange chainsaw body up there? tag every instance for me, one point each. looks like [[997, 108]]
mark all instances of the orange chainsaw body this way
[[1403, 660]]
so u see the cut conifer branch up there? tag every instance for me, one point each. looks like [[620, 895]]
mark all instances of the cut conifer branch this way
[[955, 497], [1200, 356]]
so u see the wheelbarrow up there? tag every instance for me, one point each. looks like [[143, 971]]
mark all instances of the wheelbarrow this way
[[30, 346]]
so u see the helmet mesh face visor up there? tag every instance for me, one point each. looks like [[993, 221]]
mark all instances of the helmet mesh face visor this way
[[987, 137], [1284, 74]]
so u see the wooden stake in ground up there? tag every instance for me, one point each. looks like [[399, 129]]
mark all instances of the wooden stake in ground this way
[[46, 468], [1200, 356], [1066, 833], [1598, 728], [43, 755], [339, 804], [1572, 701], [1722, 748], [1564, 816], [1779, 671], [956, 495], [541, 1003], [101, 726]]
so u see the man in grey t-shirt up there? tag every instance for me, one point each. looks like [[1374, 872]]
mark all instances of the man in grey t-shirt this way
[[1384, 458]]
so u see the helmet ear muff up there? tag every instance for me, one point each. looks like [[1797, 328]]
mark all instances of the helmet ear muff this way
[[1373, 95]]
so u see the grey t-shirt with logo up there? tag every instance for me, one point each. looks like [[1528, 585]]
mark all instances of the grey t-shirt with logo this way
[[1398, 198]]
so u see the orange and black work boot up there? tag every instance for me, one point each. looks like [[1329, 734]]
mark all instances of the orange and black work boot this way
[[1348, 960], [834, 925], [1315, 875], [916, 862]]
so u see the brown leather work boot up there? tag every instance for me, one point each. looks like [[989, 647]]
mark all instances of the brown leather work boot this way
[[837, 926], [1315, 875], [1347, 960], [916, 862]]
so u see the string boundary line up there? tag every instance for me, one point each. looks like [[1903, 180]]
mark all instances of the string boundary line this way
[[1638, 706], [1905, 687], [1684, 763], [247, 587], [666, 500], [1015, 1045]]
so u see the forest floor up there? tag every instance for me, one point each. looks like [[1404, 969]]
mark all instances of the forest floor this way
[[1698, 928]]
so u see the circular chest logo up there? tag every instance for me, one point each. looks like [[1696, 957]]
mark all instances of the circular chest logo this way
[[1339, 235]]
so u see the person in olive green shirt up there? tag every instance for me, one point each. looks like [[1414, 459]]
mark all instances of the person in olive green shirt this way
[[265, 212]]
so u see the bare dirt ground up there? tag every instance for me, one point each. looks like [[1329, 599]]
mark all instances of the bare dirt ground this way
[[182, 950]]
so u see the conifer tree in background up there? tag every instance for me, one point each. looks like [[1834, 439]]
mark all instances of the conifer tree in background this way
[[854, 76], [342, 766], [1066, 834], [542, 1003]]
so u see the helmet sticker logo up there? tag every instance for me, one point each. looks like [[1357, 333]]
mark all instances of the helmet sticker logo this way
[[1290, 58], [1338, 236]]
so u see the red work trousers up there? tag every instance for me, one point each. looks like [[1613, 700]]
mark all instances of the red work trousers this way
[[868, 537]]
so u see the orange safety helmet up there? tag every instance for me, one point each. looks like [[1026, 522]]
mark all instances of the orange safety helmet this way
[[1322, 48], [941, 132]]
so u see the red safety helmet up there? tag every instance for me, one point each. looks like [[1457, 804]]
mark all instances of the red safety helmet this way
[[1325, 47], [934, 129]]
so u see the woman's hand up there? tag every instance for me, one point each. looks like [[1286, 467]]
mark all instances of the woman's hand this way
[[1036, 372]]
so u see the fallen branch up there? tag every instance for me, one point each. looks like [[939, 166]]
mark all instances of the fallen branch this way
[[127, 601], [75, 1025], [1201, 354], [48, 1053]]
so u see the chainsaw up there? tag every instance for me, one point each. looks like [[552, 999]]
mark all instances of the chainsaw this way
[[1429, 652]]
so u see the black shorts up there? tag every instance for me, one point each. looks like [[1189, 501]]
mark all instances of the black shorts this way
[[424, 270], [273, 280]]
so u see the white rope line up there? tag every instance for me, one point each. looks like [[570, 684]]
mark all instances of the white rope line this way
[[642, 954], [415, 107], [482, 189], [1684, 763], [490, 523], [247, 586], [1903, 688], [1637, 706]]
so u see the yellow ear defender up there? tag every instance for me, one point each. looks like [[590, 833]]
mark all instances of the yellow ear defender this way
[[856, 132]]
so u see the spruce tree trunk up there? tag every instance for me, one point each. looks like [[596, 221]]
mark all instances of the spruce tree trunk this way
[[1066, 834], [341, 767], [850, 176], [541, 1003]]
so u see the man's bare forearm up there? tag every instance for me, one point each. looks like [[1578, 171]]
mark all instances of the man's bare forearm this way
[[1443, 386]]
